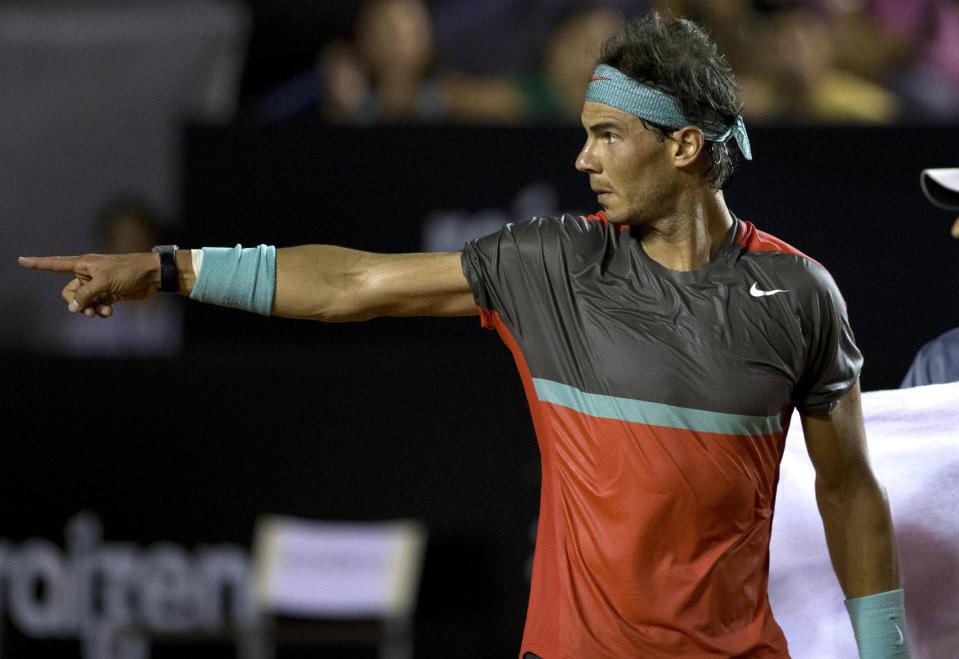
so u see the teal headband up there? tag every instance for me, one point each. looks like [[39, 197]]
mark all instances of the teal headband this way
[[612, 87]]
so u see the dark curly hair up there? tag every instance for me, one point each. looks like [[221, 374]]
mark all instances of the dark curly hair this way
[[676, 56]]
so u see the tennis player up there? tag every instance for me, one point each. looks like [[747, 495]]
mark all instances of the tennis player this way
[[663, 344]]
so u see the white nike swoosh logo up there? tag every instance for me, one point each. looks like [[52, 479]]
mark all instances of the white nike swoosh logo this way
[[755, 292]]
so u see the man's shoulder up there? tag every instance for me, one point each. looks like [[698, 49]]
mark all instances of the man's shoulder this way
[[547, 240], [583, 223], [756, 241], [946, 342], [795, 267], [561, 228]]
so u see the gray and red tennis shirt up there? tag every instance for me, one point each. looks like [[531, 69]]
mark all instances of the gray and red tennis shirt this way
[[660, 401]]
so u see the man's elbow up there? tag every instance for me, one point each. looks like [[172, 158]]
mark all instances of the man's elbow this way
[[850, 484]]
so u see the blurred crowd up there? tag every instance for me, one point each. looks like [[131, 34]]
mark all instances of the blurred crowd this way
[[515, 62]]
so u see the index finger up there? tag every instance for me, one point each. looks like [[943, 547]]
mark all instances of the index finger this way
[[50, 263]]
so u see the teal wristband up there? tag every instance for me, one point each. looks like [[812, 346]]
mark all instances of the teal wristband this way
[[879, 622], [238, 278]]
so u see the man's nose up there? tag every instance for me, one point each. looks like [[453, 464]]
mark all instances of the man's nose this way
[[585, 161]]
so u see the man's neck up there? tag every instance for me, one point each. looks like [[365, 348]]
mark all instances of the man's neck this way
[[687, 238]]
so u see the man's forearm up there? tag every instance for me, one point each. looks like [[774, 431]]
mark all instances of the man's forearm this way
[[321, 282], [318, 282], [859, 535]]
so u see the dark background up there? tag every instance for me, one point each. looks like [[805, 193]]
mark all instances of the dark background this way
[[412, 418]]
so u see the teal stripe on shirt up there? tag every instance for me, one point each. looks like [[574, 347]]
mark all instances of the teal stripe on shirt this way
[[654, 414]]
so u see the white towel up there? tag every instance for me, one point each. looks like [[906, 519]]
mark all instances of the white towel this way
[[913, 437]]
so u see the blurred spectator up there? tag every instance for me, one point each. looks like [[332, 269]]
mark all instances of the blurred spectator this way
[[147, 328], [553, 91], [395, 40], [860, 43], [509, 61], [731, 24], [911, 48], [504, 38], [795, 77], [928, 78], [386, 75], [389, 73], [738, 27], [345, 79], [871, 61]]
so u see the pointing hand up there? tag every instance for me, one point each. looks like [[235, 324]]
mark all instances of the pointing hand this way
[[101, 280]]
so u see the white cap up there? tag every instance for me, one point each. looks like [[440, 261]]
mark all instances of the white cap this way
[[941, 187]]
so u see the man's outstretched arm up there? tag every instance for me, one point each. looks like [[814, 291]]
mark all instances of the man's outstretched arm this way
[[858, 527], [334, 284], [317, 282]]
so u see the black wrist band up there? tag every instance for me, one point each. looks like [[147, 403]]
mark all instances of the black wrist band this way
[[169, 278]]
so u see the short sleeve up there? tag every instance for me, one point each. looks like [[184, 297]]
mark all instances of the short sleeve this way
[[832, 359], [519, 271]]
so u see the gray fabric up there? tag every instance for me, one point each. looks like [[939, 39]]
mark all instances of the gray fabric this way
[[590, 309], [937, 362]]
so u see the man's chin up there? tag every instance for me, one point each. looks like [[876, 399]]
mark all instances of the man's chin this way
[[613, 217], [618, 215]]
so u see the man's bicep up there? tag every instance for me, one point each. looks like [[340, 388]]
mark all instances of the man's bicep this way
[[837, 443], [421, 284]]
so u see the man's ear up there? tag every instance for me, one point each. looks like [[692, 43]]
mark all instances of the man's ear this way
[[688, 144]]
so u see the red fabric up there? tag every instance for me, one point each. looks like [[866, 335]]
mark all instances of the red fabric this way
[[614, 574], [759, 241], [599, 216], [541, 634]]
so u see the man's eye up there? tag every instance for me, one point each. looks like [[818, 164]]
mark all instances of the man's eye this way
[[610, 138]]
